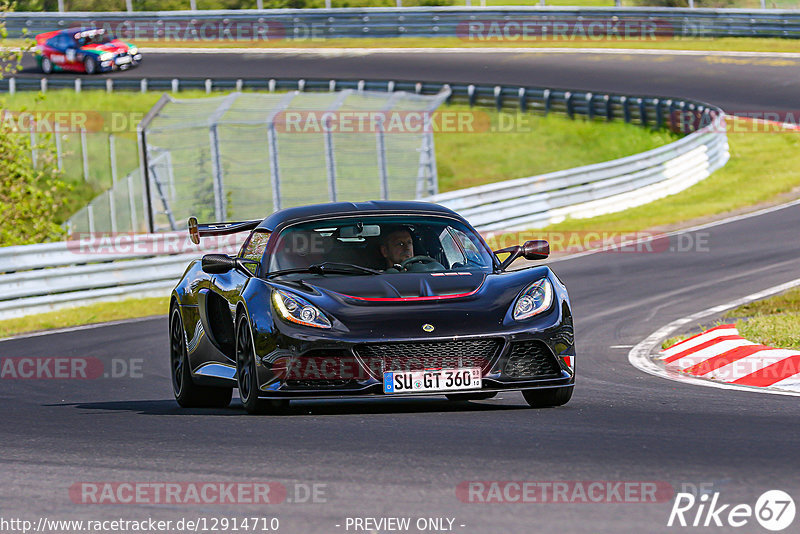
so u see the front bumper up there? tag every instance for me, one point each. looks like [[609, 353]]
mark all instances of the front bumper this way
[[301, 365]]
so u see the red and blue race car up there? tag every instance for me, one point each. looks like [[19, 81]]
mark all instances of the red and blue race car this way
[[84, 50]]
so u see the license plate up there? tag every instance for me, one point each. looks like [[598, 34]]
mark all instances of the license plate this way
[[124, 59], [431, 380]]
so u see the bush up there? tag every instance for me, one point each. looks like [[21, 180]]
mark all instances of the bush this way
[[29, 198]]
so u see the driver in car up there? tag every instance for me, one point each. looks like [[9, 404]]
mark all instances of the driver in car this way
[[397, 246]]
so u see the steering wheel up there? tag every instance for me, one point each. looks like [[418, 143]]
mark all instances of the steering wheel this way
[[426, 262]]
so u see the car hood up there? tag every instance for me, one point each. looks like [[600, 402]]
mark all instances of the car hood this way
[[401, 286], [115, 47]]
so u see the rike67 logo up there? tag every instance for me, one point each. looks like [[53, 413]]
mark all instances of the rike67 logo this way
[[774, 510]]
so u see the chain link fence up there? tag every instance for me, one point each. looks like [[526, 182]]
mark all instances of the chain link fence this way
[[244, 155]]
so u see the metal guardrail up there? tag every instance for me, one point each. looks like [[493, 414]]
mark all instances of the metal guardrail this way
[[308, 24], [592, 190], [41, 277]]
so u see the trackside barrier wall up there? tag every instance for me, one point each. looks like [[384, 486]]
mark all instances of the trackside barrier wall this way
[[65, 278], [401, 22]]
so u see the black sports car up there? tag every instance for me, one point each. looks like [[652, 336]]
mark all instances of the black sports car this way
[[367, 299]]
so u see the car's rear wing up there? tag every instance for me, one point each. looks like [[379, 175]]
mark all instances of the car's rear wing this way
[[196, 231]]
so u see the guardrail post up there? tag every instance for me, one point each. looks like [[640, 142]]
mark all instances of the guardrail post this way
[[332, 86], [471, 95], [568, 101], [523, 100], [547, 101], [643, 111], [109, 85], [417, 88], [590, 106], [239, 84], [390, 87], [43, 85], [381, 148], [208, 84], [330, 160], [175, 85], [626, 111], [143, 85], [78, 83], [85, 154], [12, 86], [271, 85], [129, 6], [498, 97], [672, 117], [609, 108], [360, 86], [659, 113]]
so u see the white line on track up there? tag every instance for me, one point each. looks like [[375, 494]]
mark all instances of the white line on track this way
[[333, 52], [639, 356]]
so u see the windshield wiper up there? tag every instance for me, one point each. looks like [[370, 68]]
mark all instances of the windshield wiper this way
[[327, 268]]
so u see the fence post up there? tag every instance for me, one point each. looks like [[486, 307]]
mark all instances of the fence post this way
[[112, 154], [626, 111], [382, 170], [12, 86], [90, 214], [590, 106], [193, 5], [132, 204], [330, 160], [129, 6], [523, 100], [498, 97], [85, 154], [216, 170], [471, 95], [274, 166]]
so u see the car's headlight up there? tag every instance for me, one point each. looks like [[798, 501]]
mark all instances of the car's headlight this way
[[298, 310], [106, 56], [133, 50], [536, 298]]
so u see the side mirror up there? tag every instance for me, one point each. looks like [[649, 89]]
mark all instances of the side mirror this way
[[218, 263], [537, 249]]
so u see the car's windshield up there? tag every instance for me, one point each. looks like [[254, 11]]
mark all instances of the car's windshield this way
[[389, 244], [91, 37]]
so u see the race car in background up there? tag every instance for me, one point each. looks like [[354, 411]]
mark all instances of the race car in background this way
[[84, 50]]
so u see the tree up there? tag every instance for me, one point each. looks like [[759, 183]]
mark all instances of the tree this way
[[29, 197]]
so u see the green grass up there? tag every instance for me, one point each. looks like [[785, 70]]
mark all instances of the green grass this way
[[762, 168], [774, 322], [536, 146], [94, 313]]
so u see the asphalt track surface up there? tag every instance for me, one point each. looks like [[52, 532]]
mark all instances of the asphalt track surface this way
[[394, 457]]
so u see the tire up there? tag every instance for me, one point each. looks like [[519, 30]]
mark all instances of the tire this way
[[47, 65], [187, 393], [90, 65], [246, 376], [470, 396], [548, 398]]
